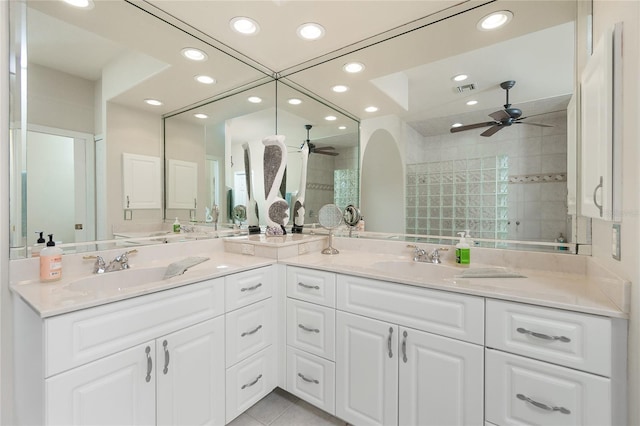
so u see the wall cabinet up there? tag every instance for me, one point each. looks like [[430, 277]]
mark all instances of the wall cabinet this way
[[142, 182], [182, 184]]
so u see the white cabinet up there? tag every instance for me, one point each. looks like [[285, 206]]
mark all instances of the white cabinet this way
[[249, 330], [312, 378], [110, 391], [182, 184], [141, 182], [366, 370], [310, 327]]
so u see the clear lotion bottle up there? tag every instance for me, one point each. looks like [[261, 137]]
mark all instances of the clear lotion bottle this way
[[50, 262]]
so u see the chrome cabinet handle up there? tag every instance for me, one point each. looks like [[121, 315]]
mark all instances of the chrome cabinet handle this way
[[541, 405], [251, 288], [127, 201], [310, 330], [165, 345], [542, 335], [389, 342], [308, 380], [312, 287], [248, 385], [404, 346], [149, 364], [255, 330], [195, 203], [595, 202]]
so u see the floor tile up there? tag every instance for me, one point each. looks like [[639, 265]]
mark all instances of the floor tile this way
[[245, 420], [271, 406], [306, 414]]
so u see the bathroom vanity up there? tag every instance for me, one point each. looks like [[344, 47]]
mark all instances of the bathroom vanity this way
[[368, 336]]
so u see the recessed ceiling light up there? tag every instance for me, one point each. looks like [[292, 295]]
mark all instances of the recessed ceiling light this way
[[339, 88], [294, 101], [342, 127], [194, 54], [472, 102], [371, 109], [84, 4], [153, 102], [254, 99], [459, 77], [456, 125], [205, 79], [200, 115], [310, 31], [244, 25], [494, 20], [331, 118], [353, 67]]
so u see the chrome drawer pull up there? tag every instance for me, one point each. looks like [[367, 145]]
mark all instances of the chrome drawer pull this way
[[312, 287], [166, 357], [251, 288], [255, 330], [248, 385], [389, 342], [308, 380], [310, 330], [404, 347], [541, 405], [542, 336], [149, 364]]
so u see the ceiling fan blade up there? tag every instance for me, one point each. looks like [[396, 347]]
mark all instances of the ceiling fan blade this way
[[471, 126], [500, 115], [325, 148], [532, 124], [491, 131], [326, 153]]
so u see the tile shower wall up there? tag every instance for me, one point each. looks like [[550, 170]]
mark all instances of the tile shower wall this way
[[536, 188], [446, 197]]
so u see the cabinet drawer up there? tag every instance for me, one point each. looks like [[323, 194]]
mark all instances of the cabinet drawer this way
[[311, 328], [311, 378], [247, 287], [248, 330], [447, 314], [311, 285], [522, 391], [572, 339], [249, 381], [82, 336]]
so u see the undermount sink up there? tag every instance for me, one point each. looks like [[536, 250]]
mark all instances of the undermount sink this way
[[421, 269], [118, 280]]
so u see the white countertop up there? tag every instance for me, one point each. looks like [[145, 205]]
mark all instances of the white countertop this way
[[573, 292]]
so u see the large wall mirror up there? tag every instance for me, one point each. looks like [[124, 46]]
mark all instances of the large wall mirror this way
[[517, 183]]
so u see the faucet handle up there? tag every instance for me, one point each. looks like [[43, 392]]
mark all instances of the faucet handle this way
[[100, 266]]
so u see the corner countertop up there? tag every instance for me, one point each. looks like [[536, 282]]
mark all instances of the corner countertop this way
[[574, 292], [59, 297]]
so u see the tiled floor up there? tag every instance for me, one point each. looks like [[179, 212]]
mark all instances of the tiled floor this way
[[280, 408]]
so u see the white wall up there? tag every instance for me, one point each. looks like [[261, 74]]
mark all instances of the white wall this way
[[607, 13]]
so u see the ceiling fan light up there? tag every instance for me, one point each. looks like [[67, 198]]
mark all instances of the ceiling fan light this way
[[244, 25], [353, 67], [310, 31], [494, 20]]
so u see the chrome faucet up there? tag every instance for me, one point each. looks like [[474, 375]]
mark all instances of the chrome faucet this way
[[120, 262], [99, 266], [421, 255]]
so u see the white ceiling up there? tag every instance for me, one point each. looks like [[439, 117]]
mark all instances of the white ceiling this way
[[535, 49]]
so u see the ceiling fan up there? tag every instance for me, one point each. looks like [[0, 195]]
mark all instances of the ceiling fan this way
[[313, 149], [503, 118]]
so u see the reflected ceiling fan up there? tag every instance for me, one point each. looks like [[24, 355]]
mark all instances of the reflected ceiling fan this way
[[503, 118], [313, 149]]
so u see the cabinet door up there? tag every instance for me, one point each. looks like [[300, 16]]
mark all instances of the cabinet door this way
[[366, 371], [190, 375], [141, 180], [117, 390], [182, 184], [441, 380]]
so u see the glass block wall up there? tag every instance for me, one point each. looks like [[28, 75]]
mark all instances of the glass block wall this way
[[446, 197], [345, 188]]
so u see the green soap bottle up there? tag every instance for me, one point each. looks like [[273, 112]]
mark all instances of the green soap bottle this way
[[463, 250]]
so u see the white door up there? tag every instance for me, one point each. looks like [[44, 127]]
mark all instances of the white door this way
[[117, 390], [441, 380], [191, 374], [366, 371]]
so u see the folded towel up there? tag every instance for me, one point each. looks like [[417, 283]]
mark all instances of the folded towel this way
[[489, 273], [179, 267]]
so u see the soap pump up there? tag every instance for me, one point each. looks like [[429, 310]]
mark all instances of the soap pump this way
[[38, 246], [176, 226], [463, 250], [50, 262]]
